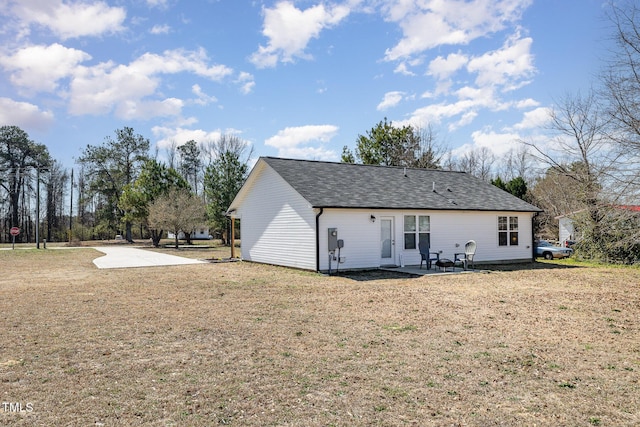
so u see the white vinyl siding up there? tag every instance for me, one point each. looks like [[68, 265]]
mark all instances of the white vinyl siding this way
[[448, 233], [277, 224], [450, 230], [361, 238]]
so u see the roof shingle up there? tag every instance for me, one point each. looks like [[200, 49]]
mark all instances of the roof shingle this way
[[344, 185]]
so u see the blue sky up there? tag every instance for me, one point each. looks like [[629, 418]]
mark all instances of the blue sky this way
[[297, 79]]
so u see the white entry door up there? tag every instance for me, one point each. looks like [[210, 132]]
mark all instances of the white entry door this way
[[387, 242]]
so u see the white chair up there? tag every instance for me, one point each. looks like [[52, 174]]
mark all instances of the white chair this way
[[466, 258]]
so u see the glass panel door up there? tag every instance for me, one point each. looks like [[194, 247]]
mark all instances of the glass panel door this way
[[386, 241]]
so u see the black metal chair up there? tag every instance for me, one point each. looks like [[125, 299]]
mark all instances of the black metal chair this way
[[426, 256], [466, 258]]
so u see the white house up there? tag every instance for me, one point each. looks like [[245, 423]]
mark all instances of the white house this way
[[566, 229], [295, 212], [198, 233]]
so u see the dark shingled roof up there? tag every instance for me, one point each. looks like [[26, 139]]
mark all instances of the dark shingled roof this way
[[344, 185]]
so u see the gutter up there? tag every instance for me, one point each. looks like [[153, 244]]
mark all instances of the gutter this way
[[318, 240], [533, 236]]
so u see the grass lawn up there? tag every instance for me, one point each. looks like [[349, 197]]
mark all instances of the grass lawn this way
[[253, 345]]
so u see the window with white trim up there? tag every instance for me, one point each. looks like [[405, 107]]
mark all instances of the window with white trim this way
[[507, 231], [417, 228]]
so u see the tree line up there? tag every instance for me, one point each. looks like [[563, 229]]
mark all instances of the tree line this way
[[121, 188]]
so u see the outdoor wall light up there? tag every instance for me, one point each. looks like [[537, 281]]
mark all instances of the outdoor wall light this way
[[373, 218]]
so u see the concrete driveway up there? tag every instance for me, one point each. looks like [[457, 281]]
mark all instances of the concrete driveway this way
[[125, 257]]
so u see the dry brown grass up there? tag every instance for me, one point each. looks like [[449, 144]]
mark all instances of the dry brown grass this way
[[247, 344]]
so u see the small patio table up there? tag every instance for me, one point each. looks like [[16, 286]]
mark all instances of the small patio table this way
[[445, 263]]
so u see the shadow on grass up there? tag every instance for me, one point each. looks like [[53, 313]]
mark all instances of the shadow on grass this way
[[369, 275], [536, 265]]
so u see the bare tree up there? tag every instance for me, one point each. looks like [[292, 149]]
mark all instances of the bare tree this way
[[584, 154], [478, 162], [190, 164], [622, 76], [176, 211], [171, 151], [556, 193], [56, 184], [223, 178], [430, 151], [621, 80], [517, 163], [581, 147]]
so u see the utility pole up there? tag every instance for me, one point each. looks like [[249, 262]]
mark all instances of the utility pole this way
[[38, 208], [71, 210]]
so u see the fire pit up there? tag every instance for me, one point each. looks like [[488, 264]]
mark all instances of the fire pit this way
[[445, 263]]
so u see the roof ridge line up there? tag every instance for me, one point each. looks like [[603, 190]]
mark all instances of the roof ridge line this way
[[360, 164]]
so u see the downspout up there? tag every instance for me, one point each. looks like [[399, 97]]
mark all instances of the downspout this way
[[318, 240], [533, 236]]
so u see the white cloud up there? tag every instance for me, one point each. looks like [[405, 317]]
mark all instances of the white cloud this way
[[466, 119], [391, 99], [162, 4], [131, 91], [497, 71], [428, 24], [246, 82], [498, 143], [442, 68], [465, 109], [290, 30], [39, 68], [293, 142], [167, 135], [160, 29], [509, 67], [141, 109], [202, 98], [435, 113], [403, 69], [98, 90], [534, 119], [179, 60], [70, 19], [24, 115], [125, 88], [526, 103]]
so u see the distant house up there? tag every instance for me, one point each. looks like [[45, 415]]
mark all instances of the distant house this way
[[567, 229], [199, 233], [294, 213]]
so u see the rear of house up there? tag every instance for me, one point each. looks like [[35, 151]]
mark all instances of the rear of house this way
[[313, 215]]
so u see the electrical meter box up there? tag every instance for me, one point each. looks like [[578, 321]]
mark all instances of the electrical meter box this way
[[333, 239]]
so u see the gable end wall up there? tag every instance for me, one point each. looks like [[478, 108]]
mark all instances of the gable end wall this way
[[277, 224]]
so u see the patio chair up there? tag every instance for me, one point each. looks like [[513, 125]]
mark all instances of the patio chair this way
[[466, 258], [427, 256]]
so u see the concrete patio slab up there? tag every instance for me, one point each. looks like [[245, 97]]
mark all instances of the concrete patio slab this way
[[417, 271], [126, 257]]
